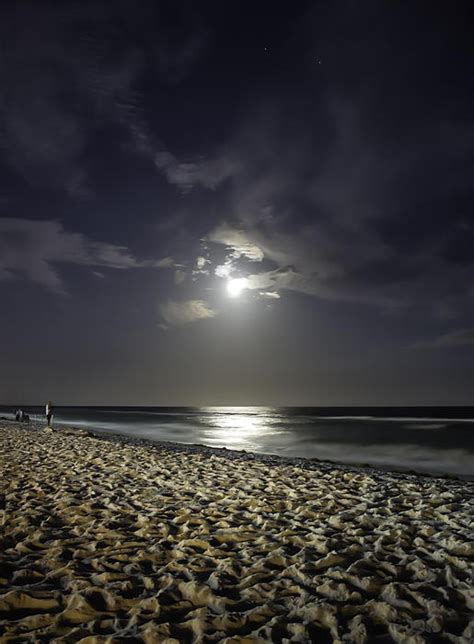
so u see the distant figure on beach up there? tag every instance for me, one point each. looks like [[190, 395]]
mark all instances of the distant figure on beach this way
[[49, 412], [19, 415]]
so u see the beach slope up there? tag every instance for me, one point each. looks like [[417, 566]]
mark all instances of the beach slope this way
[[105, 540]]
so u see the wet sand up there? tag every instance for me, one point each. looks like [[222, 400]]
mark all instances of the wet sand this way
[[108, 539]]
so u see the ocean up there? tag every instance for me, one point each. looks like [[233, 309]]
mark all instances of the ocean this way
[[438, 440]]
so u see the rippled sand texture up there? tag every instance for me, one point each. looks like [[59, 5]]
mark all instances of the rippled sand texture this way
[[108, 541]]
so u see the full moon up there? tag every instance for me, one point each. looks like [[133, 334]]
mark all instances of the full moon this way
[[236, 286]]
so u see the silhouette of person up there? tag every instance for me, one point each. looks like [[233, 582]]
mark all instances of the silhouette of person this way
[[49, 412]]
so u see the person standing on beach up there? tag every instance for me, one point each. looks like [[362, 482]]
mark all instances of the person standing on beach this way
[[49, 412]]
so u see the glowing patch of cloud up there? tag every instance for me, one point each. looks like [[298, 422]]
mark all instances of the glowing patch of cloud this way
[[280, 278], [201, 263], [184, 312], [238, 241], [179, 277], [223, 270], [166, 262], [200, 266]]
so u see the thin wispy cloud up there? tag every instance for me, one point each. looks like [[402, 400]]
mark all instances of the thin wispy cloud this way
[[450, 340], [186, 175], [36, 249]]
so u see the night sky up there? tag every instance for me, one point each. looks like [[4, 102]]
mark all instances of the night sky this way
[[211, 203]]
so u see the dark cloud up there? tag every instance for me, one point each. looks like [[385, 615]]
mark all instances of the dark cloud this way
[[72, 70]]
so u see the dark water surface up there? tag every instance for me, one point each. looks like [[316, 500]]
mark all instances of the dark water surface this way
[[426, 439]]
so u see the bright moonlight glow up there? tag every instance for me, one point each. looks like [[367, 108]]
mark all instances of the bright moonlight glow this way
[[236, 286]]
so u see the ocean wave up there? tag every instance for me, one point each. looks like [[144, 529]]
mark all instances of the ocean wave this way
[[423, 425], [401, 456], [398, 419]]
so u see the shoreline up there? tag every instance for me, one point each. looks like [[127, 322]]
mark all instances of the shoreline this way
[[193, 448], [107, 537], [275, 459]]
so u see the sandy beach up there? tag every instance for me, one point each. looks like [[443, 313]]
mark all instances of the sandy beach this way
[[108, 539]]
